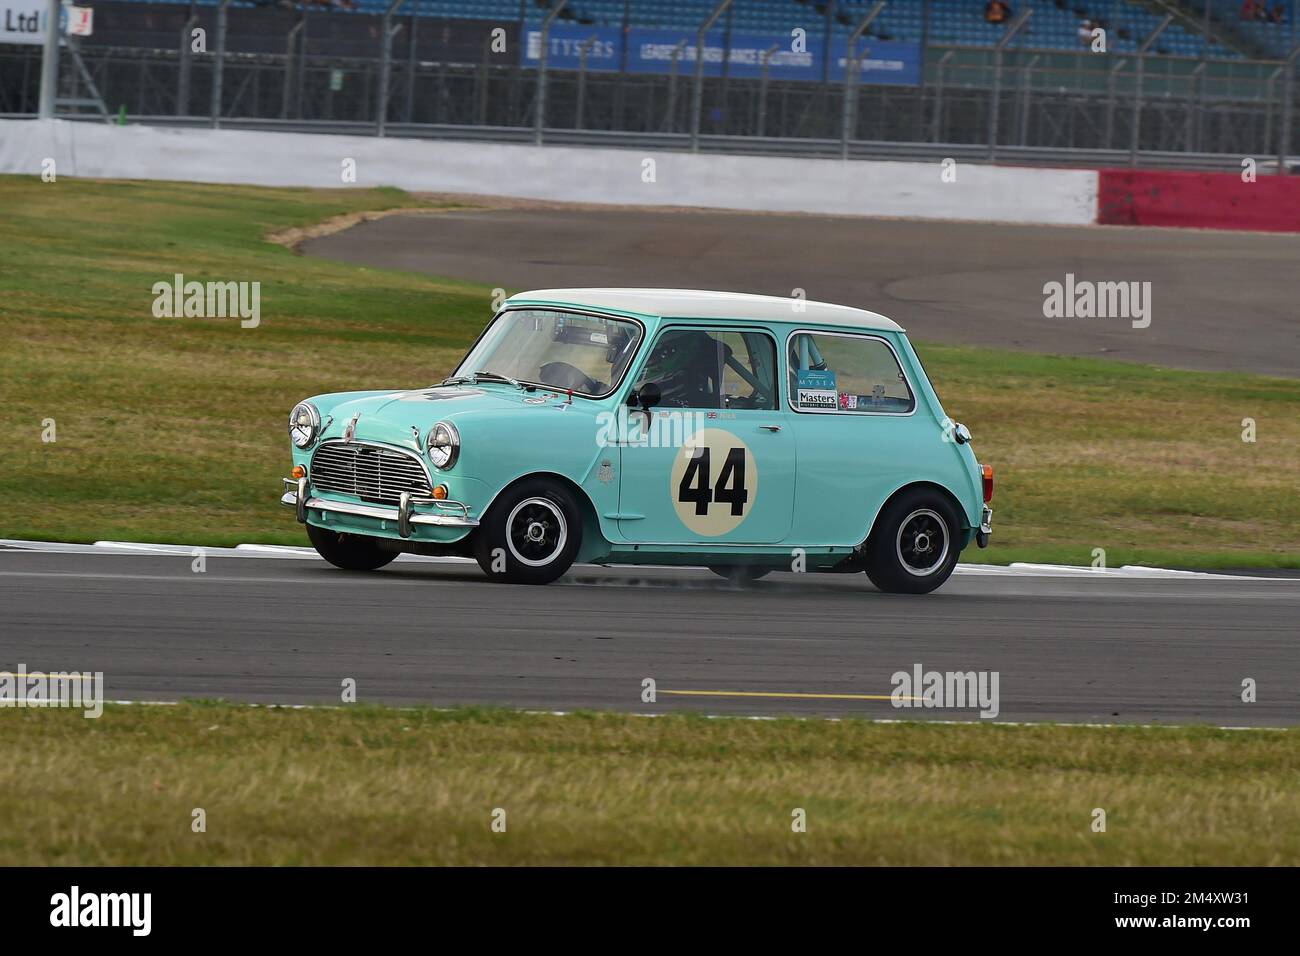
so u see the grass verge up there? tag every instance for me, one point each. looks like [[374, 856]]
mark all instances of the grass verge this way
[[173, 429], [419, 786]]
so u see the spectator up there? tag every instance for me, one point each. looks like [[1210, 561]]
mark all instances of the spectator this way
[[997, 12], [1085, 32], [1247, 10], [1279, 13]]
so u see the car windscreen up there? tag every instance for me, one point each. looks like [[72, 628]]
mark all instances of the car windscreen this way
[[561, 350]]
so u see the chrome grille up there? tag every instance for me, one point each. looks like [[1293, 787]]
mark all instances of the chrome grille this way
[[370, 472]]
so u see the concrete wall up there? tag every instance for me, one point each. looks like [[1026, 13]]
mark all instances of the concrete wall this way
[[1135, 197], [859, 188]]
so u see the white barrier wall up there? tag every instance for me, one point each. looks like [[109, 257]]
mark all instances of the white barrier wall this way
[[577, 174]]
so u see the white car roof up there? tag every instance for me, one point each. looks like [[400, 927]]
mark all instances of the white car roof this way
[[697, 304]]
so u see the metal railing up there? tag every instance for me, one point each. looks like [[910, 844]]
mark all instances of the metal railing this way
[[1135, 108]]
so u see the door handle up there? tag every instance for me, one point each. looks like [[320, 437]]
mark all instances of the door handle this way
[[771, 428]]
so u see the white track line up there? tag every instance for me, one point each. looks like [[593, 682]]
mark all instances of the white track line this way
[[1015, 569], [809, 717]]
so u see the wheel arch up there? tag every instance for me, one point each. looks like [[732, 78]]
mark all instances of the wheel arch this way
[[934, 486], [594, 542]]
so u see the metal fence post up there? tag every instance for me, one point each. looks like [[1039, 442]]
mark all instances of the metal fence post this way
[[1026, 92], [1136, 131], [1288, 97], [995, 99], [620, 88], [852, 62], [539, 108], [408, 108], [670, 115], [941, 75], [50, 62], [697, 90], [300, 69], [1269, 87], [1196, 82], [219, 64], [919, 135], [584, 49], [826, 42], [186, 66], [1111, 76], [481, 81], [762, 88], [386, 34], [287, 93]]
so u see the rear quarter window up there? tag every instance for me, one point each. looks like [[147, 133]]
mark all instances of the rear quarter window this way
[[846, 373]]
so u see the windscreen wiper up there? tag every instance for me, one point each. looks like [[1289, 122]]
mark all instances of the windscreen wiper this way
[[474, 377]]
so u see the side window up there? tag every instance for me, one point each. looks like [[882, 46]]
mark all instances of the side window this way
[[748, 370], [695, 368], [846, 373]]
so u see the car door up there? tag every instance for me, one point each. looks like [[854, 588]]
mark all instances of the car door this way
[[714, 461], [853, 410]]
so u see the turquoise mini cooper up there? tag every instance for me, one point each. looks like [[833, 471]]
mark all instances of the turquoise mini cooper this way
[[742, 433]]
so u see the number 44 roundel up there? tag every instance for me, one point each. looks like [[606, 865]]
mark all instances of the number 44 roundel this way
[[714, 482]]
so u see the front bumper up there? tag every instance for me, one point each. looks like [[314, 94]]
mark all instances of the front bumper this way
[[450, 514], [986, 527]]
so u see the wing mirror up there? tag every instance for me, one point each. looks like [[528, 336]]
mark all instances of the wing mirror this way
[[648, 396], [645, 398]]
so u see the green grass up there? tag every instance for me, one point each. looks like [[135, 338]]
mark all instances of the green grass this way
[[419, 786], [173, 429]]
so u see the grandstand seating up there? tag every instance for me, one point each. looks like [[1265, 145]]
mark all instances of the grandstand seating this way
[[1054, 26], [1275, 38]]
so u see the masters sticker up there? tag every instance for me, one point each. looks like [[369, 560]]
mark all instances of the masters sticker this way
[[816, 389], [714, 482]]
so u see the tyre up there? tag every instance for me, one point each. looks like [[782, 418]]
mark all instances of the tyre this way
[[740, 574], [530, 535], [913, 547], [351, 552]]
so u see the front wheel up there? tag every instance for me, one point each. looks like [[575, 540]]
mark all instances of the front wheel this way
[[351, 552], [530, 535], [913, 547]]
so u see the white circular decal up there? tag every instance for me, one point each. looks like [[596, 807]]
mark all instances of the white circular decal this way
[[714, 482]]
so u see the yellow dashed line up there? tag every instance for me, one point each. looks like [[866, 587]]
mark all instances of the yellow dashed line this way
[[763, 693]]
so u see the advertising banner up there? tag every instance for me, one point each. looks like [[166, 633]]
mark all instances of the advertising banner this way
[[652, 50], [566, 40], [23, 21], [885, 62]]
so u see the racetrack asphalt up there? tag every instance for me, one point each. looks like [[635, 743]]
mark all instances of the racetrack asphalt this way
[[1220, 301], [1077, 648]]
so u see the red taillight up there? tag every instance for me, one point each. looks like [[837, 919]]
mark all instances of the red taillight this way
[[988, 482]]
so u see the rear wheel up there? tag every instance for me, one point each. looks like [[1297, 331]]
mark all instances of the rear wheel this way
[[913, 547], [530, 535], [740, 574], [351, 552]]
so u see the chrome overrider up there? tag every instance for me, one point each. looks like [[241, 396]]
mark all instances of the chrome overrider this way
[[299, 499], [986, 527]]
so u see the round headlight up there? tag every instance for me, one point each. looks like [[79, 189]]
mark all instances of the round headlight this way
[[304, 424], [443, 444]]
